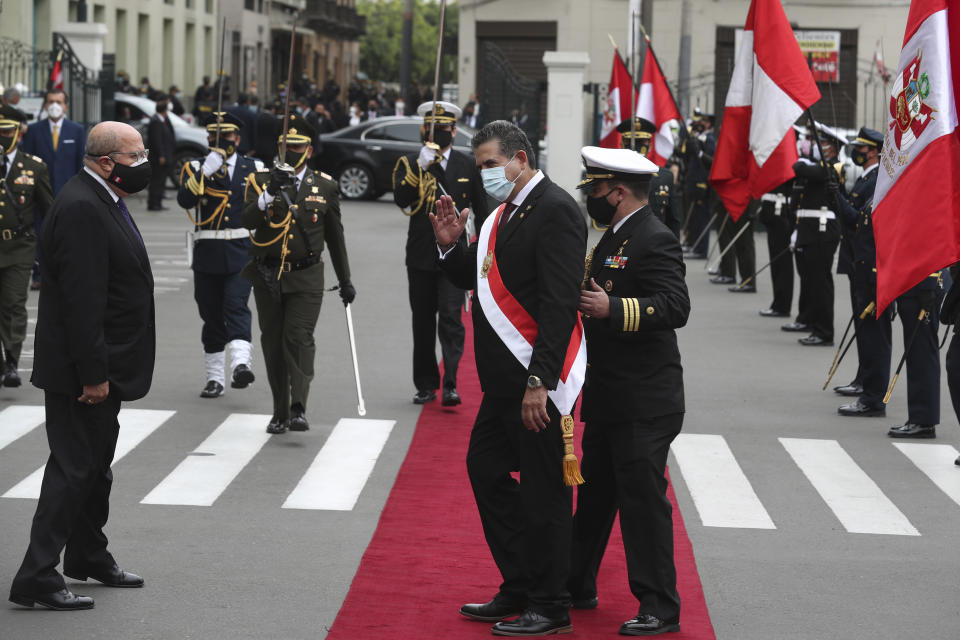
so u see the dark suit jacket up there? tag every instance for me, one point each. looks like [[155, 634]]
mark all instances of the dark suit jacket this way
[[461, 179], [95, 319], [633, 363], [160, 140], [540, 256], [248, 132], [67, 160]]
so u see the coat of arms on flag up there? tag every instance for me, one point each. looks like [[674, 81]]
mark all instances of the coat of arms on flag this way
[[910, 114]]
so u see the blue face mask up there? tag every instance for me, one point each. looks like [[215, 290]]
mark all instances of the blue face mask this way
[[495, 181]]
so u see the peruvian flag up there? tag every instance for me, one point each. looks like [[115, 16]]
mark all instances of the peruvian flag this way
[[618, 104], [916, 217], [56, 74], [771, 87], [656, 104]]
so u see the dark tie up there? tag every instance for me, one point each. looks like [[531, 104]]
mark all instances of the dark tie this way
[[126, 216], [3, 165], [505, 218]]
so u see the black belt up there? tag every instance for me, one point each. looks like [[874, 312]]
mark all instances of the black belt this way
[[13, 234], [273, 262]]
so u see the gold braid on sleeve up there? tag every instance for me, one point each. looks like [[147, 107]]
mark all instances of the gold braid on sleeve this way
[[425, 182], [587, 264]]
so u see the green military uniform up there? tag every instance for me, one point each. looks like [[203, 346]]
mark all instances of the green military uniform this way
[[24, 193], [287, 273], [664, 198]]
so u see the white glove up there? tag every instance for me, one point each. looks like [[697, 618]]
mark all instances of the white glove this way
[[212, 163], [427, 157], [793, 240]]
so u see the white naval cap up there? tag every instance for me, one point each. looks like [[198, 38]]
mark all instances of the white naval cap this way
[[830, 132], [610, 164], [445, 112]]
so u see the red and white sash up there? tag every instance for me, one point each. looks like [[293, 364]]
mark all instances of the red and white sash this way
[[516, 328]]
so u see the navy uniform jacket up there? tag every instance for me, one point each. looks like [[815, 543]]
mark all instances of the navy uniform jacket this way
[[633, 362], [697, 165], [849, 212], [461, 179], [665, 200], [812, 183], [221, 207]]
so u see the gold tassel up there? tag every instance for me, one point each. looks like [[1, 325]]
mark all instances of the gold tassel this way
[[571, 466]]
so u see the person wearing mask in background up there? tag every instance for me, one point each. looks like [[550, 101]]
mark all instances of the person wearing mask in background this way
[[356, 114], [59, 142], [160, 145], [204, 100], [399, 107], [248, 123], [373, 110], [174, 95]]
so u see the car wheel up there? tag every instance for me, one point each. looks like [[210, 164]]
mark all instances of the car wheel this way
[[356, 182]]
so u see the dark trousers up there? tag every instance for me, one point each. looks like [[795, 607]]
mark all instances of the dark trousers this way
[[857, 379], [14, 282], [953, 372], [286, 337], [923, 356], [433, 296], [700, 213], [623, 469], [874, 348], [743, 254], [815, 264], [781, 267], [158, 179], [75, 494], [527, 524], [222, 299]]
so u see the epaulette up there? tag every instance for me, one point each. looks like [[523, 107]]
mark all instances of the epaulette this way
[[326, 175], [258, 165], [33, 157]]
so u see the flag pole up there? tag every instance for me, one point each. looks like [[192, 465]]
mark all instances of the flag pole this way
[[634, 19]]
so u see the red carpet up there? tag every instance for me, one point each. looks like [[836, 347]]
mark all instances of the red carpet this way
[[428, 555]]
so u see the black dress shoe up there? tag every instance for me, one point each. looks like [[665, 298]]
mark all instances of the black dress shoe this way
[[713, 272], [860, 409], [795, 326], [112, 577], [213, 389], [750, 288], [11, 378], [911, 430], [493, 611], [242, 377], [773, 313], [957, 461], [647, 625], [297, 421], [851, 389], [423, 397], [450, 397], [814, 340], [34, 285], [277, 426], [62, 600], [695, 256], [721, 280], [532, 623], [585, 603]]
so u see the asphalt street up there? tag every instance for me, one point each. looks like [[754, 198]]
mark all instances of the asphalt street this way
[[805, 524]]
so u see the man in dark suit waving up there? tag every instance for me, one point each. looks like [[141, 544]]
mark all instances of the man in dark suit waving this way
[[95, 346], [528, 286]]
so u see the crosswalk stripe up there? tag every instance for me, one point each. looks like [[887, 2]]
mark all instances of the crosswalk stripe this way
[[339, 472], [135, 426], [200, 478], [936, 462], [19, 420], [720, 490], [853, 497]]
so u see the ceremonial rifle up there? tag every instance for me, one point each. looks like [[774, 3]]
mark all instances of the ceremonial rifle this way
[[838, 356], [764, 268]]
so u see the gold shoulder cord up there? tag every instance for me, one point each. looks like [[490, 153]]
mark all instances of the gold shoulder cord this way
[[198, 188], [284, 226], [425, 182]]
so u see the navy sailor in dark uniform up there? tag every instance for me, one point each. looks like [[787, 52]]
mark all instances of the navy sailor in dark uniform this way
[[634, 298], [665, 198], [214, 186]]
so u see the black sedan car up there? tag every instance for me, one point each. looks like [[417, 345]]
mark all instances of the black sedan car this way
[[362, 157]]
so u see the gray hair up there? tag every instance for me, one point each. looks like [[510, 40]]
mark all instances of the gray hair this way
[[511, 138], [10, 94]]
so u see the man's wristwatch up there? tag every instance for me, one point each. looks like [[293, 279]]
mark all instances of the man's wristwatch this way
[[534, 382]]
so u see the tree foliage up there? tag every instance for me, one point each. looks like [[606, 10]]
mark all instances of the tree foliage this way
[[381, 46]]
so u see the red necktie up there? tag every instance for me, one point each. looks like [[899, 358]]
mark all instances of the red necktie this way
[[508, 209]]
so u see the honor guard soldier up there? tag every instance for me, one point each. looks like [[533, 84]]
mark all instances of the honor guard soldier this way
[[634, 298], [25, 194], [697, 151], [665, 199], [418, 180], [292, 210], [777, 216], [818, 234], [213, 186]]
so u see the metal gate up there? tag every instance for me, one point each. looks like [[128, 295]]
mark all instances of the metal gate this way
[[23, 65], [83, 86], [508, 95]]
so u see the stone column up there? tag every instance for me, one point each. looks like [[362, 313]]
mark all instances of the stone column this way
[[86, 39], [565, 116]]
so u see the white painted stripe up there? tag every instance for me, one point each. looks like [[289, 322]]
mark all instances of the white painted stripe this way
[[203, 476], [853, 497], [936, 462], [340, 471], [19, 420], [720, 490], [135, 426]]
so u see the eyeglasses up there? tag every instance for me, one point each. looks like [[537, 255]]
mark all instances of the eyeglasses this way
[[138, 156]]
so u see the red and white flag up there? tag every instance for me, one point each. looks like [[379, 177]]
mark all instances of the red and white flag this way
[[56, 73], [771, 87], [916, 217], [878, 63], [656, 104], [619, 103]]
